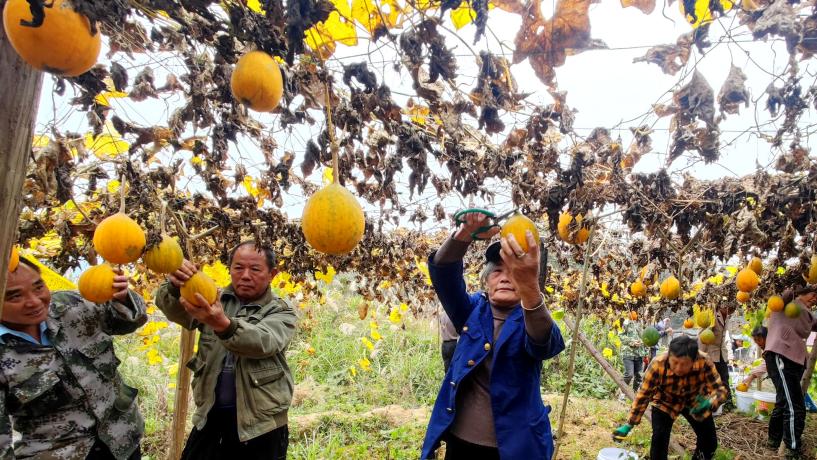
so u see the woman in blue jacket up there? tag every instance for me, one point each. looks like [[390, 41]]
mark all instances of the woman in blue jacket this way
[[489, 406]]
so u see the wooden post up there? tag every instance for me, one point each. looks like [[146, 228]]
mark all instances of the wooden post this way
[[574, 345], [182, 399], [20, 88], [613, 373], [812, 359]]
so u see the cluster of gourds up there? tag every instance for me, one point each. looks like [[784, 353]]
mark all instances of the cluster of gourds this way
[[65, 44], [120, 240]]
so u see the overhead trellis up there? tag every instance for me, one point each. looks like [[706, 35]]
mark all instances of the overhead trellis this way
[[445, 137]]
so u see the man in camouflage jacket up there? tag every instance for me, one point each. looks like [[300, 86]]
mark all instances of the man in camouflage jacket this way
[[59, 385]]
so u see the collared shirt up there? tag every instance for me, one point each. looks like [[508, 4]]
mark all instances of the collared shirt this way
[[43, 337], [672, 393]]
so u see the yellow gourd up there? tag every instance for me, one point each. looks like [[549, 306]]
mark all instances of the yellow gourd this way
[[707, 337], [756, 265], [689, 323], [62, 45], [743, 297], [119, 239], [96, 283], [775, 303], [517, 225], [333, 221], [811, 278], [563, 228], [747, 280], [202, 284], [14, 260], [165, 257], [638, 289], [671, 288], [257, 81]]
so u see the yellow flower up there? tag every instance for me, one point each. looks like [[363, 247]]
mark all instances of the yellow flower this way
[[352, 371], [403, 307], [395, 316], [376, 335], [311, 350], [367, 342], [154, 357], [607, 353], [364, 364]]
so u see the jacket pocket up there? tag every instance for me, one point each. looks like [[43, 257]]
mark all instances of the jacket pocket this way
[[125, 397], [270, 390], [38, 395], [99, 352]]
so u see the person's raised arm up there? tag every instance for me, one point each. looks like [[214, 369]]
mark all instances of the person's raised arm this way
[[167, 296]]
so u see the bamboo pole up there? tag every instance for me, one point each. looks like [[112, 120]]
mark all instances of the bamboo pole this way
[[19, 99], [574, 345], [617, 378]]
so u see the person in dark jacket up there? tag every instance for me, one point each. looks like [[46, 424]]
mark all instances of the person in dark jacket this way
[[490, 406]]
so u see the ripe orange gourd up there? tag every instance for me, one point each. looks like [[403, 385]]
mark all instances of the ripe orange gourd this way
[[257, 81], [638, 289], [333, 220], [96, 283], [633, 315], [119, 239], [14, 260], [671, 288], [62, 45], [689, 323], [775, 303], [743, 297], [517, 225], [165, 257], [756, 265], [202, 284], [747, 280], [563, 228]]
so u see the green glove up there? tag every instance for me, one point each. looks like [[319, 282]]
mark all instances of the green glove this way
[[622, 432], [701, 405]]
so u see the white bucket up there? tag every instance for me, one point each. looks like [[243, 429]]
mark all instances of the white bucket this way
[[614, 453], [765, 402], [744, 401]]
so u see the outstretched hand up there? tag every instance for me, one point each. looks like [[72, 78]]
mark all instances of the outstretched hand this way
[[184, 273], [472, 222], [210, 314], [121, 284]]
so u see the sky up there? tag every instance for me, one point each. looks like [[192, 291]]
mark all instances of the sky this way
[[604, 86]]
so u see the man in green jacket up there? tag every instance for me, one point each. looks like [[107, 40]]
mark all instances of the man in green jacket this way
[[242, 384]]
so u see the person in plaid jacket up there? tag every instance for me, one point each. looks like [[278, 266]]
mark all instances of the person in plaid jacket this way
[[680, 382]]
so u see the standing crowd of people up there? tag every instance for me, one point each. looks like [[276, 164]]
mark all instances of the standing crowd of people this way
[[61, 394]]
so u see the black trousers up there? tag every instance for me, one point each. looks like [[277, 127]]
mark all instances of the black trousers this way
[[457, 449], [705, 445], [100, 451], [632, 371], [788, 419], [447, 351], [218, 440], [723, 371]]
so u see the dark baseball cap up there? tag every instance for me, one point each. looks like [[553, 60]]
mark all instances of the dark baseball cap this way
[[492, 253]]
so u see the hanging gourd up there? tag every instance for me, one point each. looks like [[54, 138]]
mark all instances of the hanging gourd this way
[[257, 81], [671, 288], [96, 283], [166, 256], [14, 260], [517, 225], [63, 44], [567, 232], [202, 284], [119, 239], [333, 221], [747, 280]]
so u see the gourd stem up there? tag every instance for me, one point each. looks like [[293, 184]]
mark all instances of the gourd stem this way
[[162, 216], [122, 194], [330, 128]]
